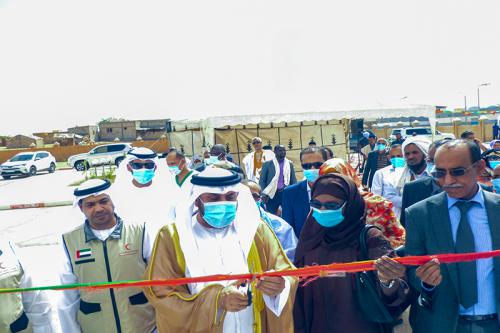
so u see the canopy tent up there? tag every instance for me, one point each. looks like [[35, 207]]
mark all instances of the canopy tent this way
[[293, 130], [393, 112]]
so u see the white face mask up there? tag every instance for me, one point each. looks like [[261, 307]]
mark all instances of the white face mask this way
[[211, 160]]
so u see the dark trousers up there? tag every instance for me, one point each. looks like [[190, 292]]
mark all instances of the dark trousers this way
[[483, 326], [273, 204]]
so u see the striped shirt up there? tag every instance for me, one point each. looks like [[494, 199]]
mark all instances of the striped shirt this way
[[478, 220]]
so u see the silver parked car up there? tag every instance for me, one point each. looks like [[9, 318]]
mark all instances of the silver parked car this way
[[101, 155]]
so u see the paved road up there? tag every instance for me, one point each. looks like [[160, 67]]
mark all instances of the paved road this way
[[42, 187]]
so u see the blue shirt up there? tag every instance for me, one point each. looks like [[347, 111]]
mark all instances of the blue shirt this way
[[283, 231], [478, 220]]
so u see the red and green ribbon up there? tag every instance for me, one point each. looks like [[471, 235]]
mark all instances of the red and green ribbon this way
[[304, 272]]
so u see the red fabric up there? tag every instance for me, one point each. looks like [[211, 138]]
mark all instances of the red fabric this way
[[320, 270]]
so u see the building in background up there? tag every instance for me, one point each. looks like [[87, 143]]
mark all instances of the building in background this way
[[59, 138], [89, 133], [24, 141], [130, 130]]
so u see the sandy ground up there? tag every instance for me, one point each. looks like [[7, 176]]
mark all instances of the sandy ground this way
[[37, 231]]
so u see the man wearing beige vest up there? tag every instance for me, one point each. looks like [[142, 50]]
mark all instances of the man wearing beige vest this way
[[104, 249], [21, 312]]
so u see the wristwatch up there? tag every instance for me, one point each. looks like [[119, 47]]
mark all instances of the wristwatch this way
[[388, 285]]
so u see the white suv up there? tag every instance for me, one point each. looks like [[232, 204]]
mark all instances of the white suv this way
[[407, 132], [100, 155], [28, 164]]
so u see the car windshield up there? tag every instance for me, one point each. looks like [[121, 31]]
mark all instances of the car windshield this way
[[419, 131], [394, 132], [19, 158]]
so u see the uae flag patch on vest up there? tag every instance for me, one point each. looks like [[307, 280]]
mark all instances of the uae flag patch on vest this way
[[83, 253]]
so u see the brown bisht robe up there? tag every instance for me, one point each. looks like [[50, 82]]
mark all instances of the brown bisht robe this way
[[177, 311]]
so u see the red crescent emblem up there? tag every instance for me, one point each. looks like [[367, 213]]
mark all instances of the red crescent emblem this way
[[126, 247]]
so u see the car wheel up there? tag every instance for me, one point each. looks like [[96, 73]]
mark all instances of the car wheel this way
[[52, 168], [32, 171], [81, 166], [6, 177], [118, 161]]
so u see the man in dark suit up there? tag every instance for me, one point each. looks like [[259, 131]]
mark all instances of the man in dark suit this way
[[377, 159], [273, 184], [416, 191], [461, 297], [296, 197]]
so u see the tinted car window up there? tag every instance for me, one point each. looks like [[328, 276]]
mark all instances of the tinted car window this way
[[101, 150], [43, 155], [20, 158], [115, 148], [419, 131]]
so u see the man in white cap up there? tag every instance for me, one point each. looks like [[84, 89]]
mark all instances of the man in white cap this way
[[143, 191], [21, 312], [254, 160], [218, 230], [415, 151], [104, 249]]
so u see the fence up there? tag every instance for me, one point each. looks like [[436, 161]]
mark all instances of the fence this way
[[483, 131], [62, 153]]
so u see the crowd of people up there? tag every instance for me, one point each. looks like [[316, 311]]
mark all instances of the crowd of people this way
[[208, 215]]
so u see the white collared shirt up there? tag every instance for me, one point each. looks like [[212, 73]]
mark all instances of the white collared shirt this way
[[384, 184]]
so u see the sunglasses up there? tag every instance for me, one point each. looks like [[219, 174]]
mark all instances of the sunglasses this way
[[256, 196], [316, 165], [457, 172], [327, 205], [138, 165]]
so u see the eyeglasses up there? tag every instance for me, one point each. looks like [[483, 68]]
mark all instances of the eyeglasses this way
[[457, 172], [328, 205], [316, 165], [138, 165]]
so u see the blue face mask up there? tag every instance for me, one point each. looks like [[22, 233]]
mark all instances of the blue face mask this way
[[494, 164], [311, 175], [174, 170], [328, 218], [211, 160], [220, 214], [381, 146], [496, 184], [143, 176], [398, 162], [430, 167]]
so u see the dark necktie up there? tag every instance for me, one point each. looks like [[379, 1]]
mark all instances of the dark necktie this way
[[467, 277]]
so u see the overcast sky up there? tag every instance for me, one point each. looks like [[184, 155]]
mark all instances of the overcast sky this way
[[65, 62]]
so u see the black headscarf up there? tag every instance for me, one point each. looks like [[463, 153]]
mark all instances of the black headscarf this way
[[343, 234]]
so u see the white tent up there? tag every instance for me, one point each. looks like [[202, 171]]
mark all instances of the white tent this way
[[210, 124], [294, 130]]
